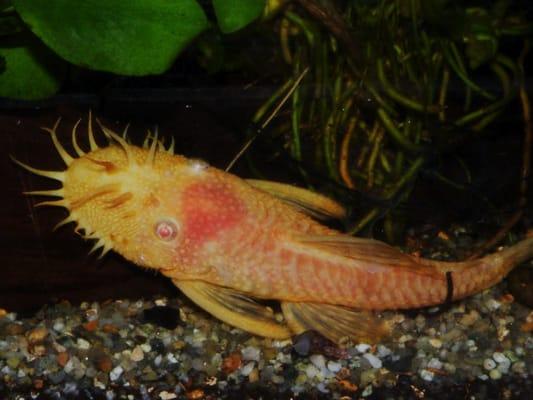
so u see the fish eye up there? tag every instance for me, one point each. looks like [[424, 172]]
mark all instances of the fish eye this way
[[166, 230]]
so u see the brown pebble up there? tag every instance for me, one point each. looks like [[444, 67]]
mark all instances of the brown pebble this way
[[507, 298], [178, 345], [443, 235], [343, 373], [37, 335], [14, 329], [345, 384], [527, 327], [254, 375], [232, 362], [91, 326], [62, 358], [110, 328], [37, 350], [103, 362], [38, 384], [195, 394], [3, 313]]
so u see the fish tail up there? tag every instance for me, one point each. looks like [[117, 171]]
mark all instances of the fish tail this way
[[511, 256], [469, 277], [480, 274]]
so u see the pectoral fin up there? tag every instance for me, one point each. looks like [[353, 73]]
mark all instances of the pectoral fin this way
[[234, 308], [335, 322], [311, 203]]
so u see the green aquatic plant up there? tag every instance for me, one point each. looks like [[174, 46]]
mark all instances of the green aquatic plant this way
[[39, 38], [391, 85]]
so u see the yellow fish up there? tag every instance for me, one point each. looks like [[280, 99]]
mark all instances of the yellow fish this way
[[226, 242]]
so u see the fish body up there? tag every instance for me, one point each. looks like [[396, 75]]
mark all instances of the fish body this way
[[225, 242]]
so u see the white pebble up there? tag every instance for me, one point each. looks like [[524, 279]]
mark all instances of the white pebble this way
[[59, 325], [322, 387], [250, 353], [318, 361], [146, 348], [247, 368], [427, 375], [161, 302], [498, 357], [373, 360], [115, 373], [493, 304], [334, 366], [489, 364], [311, 371], [362, 347], [437, 343], [164, 395], [435, 363], [383, 351], [137, 354], [368, 391], [83, 344], [69, 366], [504, 367]]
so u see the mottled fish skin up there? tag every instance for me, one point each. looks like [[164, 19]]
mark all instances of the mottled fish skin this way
[[193, 222]]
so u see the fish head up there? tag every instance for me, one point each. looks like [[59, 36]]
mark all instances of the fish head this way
[[129, 199]]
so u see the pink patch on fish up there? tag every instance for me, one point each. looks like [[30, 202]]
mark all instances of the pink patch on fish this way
[[210, 208]]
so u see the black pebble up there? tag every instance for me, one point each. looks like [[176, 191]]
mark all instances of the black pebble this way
[[163, 316], [157, 345], [520, 283], [311, 342]]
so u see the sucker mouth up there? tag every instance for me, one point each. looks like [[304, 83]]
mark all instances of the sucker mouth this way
[[151, 143]]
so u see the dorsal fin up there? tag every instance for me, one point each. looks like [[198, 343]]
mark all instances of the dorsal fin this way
[[313, 204], [372, 254]]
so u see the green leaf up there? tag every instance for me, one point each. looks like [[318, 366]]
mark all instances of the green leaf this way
[[233, 15], [31, 70], [134, 37]]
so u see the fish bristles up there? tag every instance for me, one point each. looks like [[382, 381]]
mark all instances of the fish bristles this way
[[77, 148], [92, 142], [55, 193], [59, 147], [65, 221], [151, 153], [56, 175], [170, 149], [120, 140]]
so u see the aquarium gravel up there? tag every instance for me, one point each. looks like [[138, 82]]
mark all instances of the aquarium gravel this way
[[167, 348]]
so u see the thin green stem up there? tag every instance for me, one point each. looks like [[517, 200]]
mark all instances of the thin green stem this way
[[397, 96], [396, 135]]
